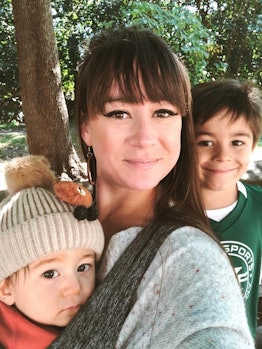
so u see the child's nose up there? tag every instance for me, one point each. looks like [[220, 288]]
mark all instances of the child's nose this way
[[222, 153], [71, 285]]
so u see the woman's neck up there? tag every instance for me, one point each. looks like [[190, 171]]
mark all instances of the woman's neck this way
[[122, 209]]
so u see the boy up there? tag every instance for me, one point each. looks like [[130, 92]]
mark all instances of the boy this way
[[47, 258], [227, 116]]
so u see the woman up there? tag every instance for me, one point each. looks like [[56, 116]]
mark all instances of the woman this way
[[168, 282]]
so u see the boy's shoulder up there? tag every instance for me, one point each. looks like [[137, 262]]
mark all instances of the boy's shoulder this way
[[253, 190]]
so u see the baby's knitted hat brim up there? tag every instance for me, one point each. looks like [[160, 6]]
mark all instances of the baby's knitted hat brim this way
[[34, 223]]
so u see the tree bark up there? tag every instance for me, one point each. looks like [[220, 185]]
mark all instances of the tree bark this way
[[43, 102]]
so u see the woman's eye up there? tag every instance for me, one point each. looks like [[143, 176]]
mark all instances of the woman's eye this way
[[49, 274], [204, 143], [165, 113], [83, 267], [237, 143], [116, 114]]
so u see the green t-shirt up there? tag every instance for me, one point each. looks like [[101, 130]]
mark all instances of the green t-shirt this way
[[241, 235]]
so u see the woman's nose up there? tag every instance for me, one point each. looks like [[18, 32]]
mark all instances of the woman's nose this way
[[144, 132]]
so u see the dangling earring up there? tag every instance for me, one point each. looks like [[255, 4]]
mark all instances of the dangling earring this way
[[90, 165]]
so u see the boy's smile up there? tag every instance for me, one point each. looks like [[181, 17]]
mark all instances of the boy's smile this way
[[224, 148]]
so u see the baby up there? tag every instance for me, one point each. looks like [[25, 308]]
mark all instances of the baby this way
[[47, 257]]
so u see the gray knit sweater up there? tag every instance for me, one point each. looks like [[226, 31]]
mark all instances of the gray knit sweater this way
[[189, 297]]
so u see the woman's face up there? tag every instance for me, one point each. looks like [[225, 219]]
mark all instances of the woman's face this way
[[135, 145]]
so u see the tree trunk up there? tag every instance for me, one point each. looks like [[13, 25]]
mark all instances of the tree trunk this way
[[43, 101]]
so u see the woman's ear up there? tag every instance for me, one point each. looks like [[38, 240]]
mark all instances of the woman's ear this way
[[7, 292], [85, 134]]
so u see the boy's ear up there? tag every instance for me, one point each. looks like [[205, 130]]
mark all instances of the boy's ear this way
[[7, 292]]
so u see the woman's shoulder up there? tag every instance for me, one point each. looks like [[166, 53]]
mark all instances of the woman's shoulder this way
[[117, 244], [187, 244], [188, 233], [193, 238], [182, 236], [183, 243]]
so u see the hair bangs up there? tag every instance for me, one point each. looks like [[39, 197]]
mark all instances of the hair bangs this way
[[135, 74]]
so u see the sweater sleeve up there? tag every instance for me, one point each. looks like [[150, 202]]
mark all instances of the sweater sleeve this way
[[188, 298]]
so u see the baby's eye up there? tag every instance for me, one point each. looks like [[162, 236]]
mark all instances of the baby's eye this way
[[49, 274], [83, 267], [237, 143], [205, 143], [165, 113], [116, 114]]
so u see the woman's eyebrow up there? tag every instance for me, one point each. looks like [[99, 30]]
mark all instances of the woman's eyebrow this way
[[122, 99]]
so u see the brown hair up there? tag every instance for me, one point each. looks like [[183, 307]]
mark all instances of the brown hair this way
[[130, 58], [138, 62], [237, 98]]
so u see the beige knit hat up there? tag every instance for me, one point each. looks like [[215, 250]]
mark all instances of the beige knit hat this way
[[35, 223]]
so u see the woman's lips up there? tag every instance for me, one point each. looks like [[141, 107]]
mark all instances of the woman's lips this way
[[142, 164]]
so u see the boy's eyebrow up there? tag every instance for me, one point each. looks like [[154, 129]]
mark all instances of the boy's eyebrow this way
[[236, 134], [203, 133]]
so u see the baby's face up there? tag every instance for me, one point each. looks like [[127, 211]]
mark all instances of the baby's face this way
[[53, 289]]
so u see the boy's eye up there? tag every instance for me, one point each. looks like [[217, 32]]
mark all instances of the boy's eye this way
[[83, 267], [205, 143], [116, 114], [237, 143], [49, 274], [165, 113]]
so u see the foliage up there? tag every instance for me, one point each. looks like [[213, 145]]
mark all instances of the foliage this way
[[9, 92], [237, 30], [214, 38], [179, 26]]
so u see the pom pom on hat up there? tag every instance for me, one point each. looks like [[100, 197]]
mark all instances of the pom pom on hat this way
[[35, 223], [28, 171]]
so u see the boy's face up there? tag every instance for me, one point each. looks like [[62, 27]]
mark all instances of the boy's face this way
[[224, 148], [54, 288]]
